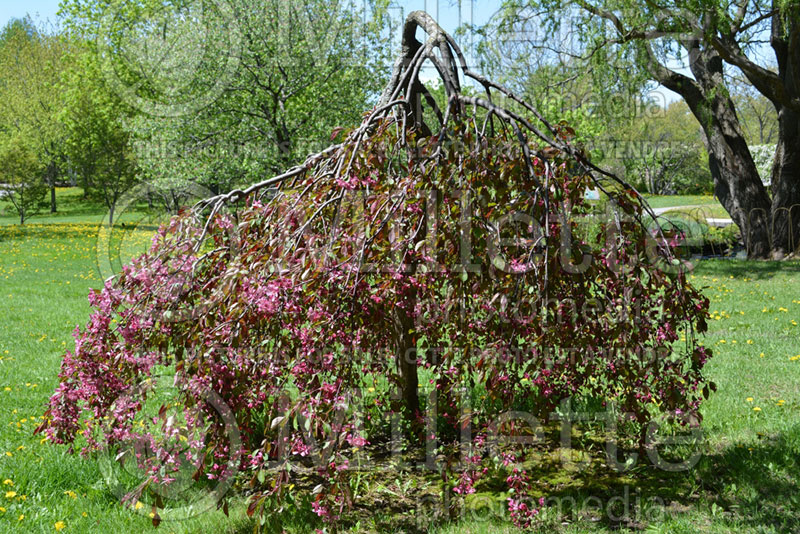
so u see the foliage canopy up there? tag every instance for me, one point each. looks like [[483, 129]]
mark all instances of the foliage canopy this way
[[459, 259]]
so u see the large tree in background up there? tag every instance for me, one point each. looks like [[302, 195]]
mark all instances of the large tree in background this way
[[732, 34], [98, 145], [649, 39], [235, 95], [32, 62], [620, 118]]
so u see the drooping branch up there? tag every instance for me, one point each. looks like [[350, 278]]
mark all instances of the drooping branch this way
[[403, 99], [340, 273]]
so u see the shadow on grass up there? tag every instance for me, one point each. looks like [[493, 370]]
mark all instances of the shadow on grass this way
[[748, 488], [755, 486], [758, 485]]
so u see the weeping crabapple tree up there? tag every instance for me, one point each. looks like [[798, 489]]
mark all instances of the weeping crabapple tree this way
[[441, 247]]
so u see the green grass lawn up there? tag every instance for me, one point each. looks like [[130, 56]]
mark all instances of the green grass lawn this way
[[668, 201], [702, 205], [748, 479]]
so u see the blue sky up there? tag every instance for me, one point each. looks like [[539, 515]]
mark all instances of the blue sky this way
[[446, 12], [448, 9], [42, 9]]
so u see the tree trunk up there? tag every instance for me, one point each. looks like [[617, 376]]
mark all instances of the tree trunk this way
[[786, 168], [739, 189], [785, 223], [736, 180], [51, 175], [407, 363]]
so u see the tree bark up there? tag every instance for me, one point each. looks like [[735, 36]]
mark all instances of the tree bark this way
[[51, 181], [786, 185], [736, 180], [783, 90], [406, 357], [785, 225], [737, 184]]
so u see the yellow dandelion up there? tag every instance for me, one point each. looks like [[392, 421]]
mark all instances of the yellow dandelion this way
[[11, 494], [21, 517], [2, 510], [71, 494], [138, 505], [60, 525], [761, 355], [8, 482], [756, 409], [749, 341], [749, 399]]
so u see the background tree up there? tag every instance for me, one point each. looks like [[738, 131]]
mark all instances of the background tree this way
[[297, 70], [756, 113], [21, 176], [648, 39], [98, 145], [32, 62], [663, 153], [735, 35]]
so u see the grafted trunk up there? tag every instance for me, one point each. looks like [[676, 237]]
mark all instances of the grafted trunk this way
[[406, 358]]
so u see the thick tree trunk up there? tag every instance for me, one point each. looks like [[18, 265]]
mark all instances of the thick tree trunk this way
[[785, 219], [785, 224], [736, 180], [739, 189]]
